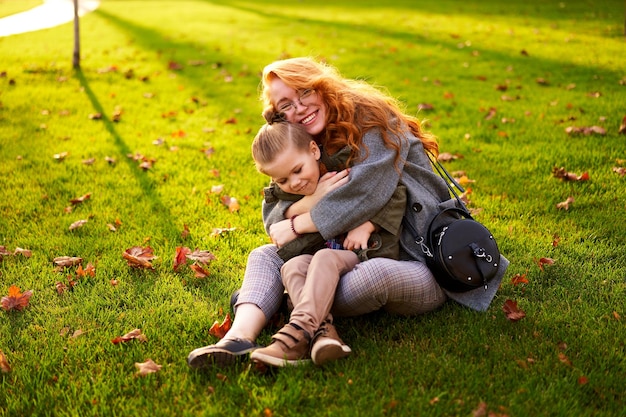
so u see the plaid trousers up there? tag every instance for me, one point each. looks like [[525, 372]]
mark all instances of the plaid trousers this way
[[399, 287]]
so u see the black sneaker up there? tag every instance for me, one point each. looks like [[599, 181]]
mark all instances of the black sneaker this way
[[225, 352]]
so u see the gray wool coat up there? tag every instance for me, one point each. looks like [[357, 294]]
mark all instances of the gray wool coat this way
[[373, 180]]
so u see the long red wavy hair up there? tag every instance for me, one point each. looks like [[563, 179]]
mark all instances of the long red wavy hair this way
[[353, 106]]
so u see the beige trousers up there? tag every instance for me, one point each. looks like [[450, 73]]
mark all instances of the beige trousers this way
[[311, 281]]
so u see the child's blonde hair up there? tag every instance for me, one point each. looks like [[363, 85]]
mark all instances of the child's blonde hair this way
[[274, 137]]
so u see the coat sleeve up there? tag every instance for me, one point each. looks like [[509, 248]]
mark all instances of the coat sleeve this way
[[373, 181]]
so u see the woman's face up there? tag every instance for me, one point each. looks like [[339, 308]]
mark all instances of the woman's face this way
[[304, 107]]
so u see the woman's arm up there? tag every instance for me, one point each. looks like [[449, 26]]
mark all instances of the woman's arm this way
[[372, 183]]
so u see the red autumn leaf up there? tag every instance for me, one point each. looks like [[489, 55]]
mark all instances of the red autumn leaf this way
[[230, 202], [65, 261], [4, 363], [519, 279], [512, 312], [219, 330], [80, 199], [16, 300], [545, 261], [583, 380], [199, 271], [202, 256], [138, 257], [230, 121], [181, 257], [132, 335], [147, 367], [556, 240]]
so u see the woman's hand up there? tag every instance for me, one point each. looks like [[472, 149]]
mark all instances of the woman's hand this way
[[357, 238], [327, 183]]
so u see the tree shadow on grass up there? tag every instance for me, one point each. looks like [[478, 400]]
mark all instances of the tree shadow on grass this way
[[146, 185]]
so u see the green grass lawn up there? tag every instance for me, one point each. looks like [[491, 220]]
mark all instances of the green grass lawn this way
[[175, 84]]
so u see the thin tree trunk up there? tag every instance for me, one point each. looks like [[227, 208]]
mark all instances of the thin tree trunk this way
[[76, 58]]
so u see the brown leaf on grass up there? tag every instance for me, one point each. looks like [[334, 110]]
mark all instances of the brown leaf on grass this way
[[622, 127], [480, 410], [185, 233], [544, 261], [147, 367], [27, 253], [4, 251], [218, 231], [564, 175], [219, 329], [89, 270], [425, 106], [138, 257], [447, 157], [512, 312], [80, 199], [202, 256], [588, 130], [519, 279], [4, 363], [132, 335], [491, 113], [564, 359], [564, 205], [16, 300], [621, 171], [542, 81], [199, 271], [230, 202], [60, 156], [78, 224], [65, 261]]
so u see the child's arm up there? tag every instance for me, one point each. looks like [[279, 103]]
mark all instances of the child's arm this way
[[357, 238]]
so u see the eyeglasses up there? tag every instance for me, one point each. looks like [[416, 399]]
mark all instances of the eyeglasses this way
[[288, 106]]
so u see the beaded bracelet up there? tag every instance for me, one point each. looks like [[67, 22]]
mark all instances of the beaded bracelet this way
[[293, 229]]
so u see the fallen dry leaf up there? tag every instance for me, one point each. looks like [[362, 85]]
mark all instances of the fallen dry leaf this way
[[219, 330], [24, 252], [519, 279], [564, 205], [138, 257], [132, 335], [80, 199], [622, 127], [230, 202], [512, 312], [4, 363], [545, 261], [78, 224], [16, 300], [563, 174], [199, 271], [66, 261], [147, 367], [202, 256]]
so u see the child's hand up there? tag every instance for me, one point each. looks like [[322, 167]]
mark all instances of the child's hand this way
[[357, 238], [281, 233]]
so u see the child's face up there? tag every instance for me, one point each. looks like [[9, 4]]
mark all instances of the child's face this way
[[296, 171]]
